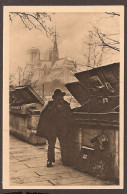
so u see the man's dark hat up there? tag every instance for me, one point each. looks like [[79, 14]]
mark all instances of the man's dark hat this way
[[58, 92]]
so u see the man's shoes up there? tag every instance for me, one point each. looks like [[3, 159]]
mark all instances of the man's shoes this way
[[49, 164], [53, 161]]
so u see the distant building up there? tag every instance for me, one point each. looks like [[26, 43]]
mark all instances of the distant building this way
[[53, 72]]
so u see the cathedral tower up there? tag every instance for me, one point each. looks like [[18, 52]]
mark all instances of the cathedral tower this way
[[33, 57]]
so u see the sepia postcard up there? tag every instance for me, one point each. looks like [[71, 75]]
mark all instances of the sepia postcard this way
[[63, 97]]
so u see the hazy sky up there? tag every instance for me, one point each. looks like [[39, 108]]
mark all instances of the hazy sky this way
[[73, 31]]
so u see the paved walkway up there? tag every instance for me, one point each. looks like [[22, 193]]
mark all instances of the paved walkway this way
[[28, 168]]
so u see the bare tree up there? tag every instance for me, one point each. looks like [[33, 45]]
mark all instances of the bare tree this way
[[107, 40], [99, 43], [38, 20], [26, 77], [11, 78], [95, 52], [22, 77]]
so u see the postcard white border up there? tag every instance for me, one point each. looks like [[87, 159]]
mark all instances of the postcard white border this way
[[85, 9]]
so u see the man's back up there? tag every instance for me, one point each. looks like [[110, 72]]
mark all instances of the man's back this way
[[55, 118]]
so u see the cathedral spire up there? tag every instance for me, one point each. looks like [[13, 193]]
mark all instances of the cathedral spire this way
[[55, 49], [55, 34]]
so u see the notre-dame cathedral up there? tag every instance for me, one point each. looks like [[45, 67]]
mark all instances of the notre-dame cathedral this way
[[52, 72]]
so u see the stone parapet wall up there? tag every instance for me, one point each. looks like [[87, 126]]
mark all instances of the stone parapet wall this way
[[25, 128]]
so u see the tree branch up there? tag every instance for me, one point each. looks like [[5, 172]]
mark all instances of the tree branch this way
[[113, 13], [104, 43], [34, 20]]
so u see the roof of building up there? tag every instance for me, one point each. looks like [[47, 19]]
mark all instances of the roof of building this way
[[63, 62], [45, 64], [60, 63]]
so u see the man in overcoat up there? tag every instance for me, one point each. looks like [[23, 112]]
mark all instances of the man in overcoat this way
[[56, 121]]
